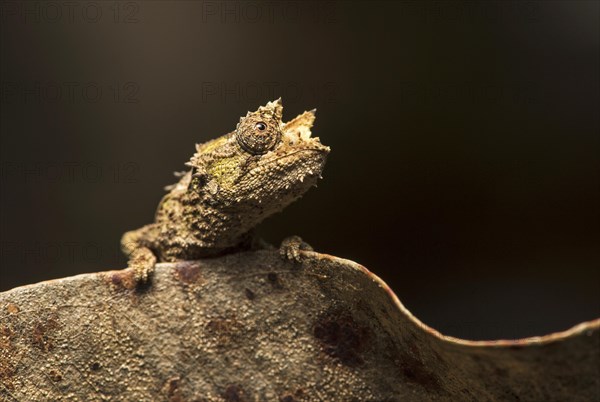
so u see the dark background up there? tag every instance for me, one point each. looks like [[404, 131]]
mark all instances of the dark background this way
[[465, 140]]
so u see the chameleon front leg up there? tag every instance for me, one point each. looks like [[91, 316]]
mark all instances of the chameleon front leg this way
[[141, 259]]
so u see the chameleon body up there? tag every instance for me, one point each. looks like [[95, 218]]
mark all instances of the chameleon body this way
[[234, 182]]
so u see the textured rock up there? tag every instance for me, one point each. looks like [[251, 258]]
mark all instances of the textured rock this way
[[250, 327]]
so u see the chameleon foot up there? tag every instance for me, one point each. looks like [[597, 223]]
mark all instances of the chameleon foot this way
[[291, 246], [142, 261]]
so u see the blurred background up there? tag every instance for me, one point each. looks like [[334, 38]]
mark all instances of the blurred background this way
[[465, 140]]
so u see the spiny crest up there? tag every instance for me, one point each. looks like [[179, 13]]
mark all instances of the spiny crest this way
[[272, 110]]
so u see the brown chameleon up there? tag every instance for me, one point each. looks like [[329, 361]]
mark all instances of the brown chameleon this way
[[234, 182]]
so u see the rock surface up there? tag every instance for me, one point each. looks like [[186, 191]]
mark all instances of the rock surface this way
[[250, 327]]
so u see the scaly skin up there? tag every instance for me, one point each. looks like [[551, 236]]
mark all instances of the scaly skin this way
[[234, 182]]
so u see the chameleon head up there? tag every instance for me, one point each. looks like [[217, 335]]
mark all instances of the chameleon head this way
[[265, 164]]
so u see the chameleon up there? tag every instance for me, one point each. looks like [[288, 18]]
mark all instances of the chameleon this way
[[233, 183]]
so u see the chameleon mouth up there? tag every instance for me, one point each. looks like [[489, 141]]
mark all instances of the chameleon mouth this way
[[320, 150], [312, 164]]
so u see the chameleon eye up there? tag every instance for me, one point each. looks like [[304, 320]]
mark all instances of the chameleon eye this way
[[258, 133]]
